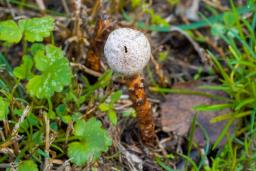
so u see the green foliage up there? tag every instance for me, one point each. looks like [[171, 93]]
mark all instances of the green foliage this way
[[215, 107], [109, 107], [5, 65], [27, 165], [231, 157], [102, 82], [24, 70], [163, 56], [217, 29], [228, 19], [155, 19], [36, 29], [4, 109], [44, 70], [130, 112], [237, 69], [61, 111], [173, 2], [194, 25], [79, 153], [55, 72], [93, 141], [10, 32], [147, 8], [135, 3]]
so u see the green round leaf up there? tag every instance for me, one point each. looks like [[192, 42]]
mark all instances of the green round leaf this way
[[55, 73], [36, 29], [93, 141], [10, 32], [27, 165], [24, 70], [79, 153]]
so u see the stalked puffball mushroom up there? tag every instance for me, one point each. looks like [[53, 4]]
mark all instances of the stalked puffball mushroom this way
[[127, 52]]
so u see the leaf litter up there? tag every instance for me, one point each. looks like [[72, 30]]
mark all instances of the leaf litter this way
[[177, 113]]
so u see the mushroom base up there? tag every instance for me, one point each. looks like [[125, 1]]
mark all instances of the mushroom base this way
[[143, 109]]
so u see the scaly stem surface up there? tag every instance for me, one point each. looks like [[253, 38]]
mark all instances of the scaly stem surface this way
[[143, 109], [93, 55]]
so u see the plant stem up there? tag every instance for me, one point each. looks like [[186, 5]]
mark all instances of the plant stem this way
[[96, 44], [47, 140], [143, 109]]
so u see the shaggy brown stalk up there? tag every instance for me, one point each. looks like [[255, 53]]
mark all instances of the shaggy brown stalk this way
[[143, 109], [96, 44]]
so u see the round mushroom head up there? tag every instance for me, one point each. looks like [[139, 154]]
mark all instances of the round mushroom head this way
[[127, 51]]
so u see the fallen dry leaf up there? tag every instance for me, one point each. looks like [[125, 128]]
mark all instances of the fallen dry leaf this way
[[177, 113]]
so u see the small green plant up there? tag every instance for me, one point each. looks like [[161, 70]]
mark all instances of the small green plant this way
[[155, 18], [93, 140], [54, 68], [237, 71], [27, 165], [108, 107], [147, 8], [45, 76], [173, 2], [135, 3], [33, 29], [36, 29], [10, 32], [238, 75], [4, 110], [236, 156], [49, 60]]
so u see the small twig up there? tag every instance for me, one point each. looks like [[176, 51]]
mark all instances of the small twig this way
[[85, 69], [75, 44], [17, 125], [9, 166], [10, 8], [8, 151], [124, 106], [47, 141], [5, 165], [162, 78], [96, 8], [41, 6], [78, 21], [10, 141], [215, 5], [134, 162], [207, 39], [68, 131], [2, 134], [77, 7], [6, 128], [65, 6], [65, 166], [187, 65], [19, 12]]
